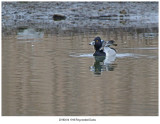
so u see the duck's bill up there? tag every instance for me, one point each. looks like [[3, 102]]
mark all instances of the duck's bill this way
[[92, 43]]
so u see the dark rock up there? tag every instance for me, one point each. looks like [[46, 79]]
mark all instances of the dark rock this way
[[58, 17], [100, 10]]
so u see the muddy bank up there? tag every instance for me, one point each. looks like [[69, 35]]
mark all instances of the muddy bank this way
[[79, 15]]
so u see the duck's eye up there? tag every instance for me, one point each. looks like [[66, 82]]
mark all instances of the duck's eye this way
[[96, 40]]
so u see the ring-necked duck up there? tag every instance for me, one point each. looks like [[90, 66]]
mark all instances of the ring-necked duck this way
[[102, 48]]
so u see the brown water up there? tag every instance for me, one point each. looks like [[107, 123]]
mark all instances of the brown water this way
[[48, 73]]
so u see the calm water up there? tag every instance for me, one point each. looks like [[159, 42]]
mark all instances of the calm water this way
[[54, 73]]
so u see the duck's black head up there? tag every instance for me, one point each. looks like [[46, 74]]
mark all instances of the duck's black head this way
[[98, 43]]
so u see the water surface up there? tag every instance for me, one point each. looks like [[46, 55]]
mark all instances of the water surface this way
[[54, 73]]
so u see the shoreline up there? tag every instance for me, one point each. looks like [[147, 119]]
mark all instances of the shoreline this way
[[79, 15]]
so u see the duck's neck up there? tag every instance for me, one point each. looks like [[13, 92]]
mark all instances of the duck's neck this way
[[99, 53]]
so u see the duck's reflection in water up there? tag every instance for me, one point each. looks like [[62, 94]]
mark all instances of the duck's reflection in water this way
[[103, 63]]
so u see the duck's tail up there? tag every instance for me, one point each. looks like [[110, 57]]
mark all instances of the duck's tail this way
[[107, 44], [111, 42]]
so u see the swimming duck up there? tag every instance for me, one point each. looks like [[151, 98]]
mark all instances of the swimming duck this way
[[102, 48]]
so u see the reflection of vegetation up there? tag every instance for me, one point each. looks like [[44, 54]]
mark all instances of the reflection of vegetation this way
[[140, 31], [29, 33], [22, 28], [131, 31]]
